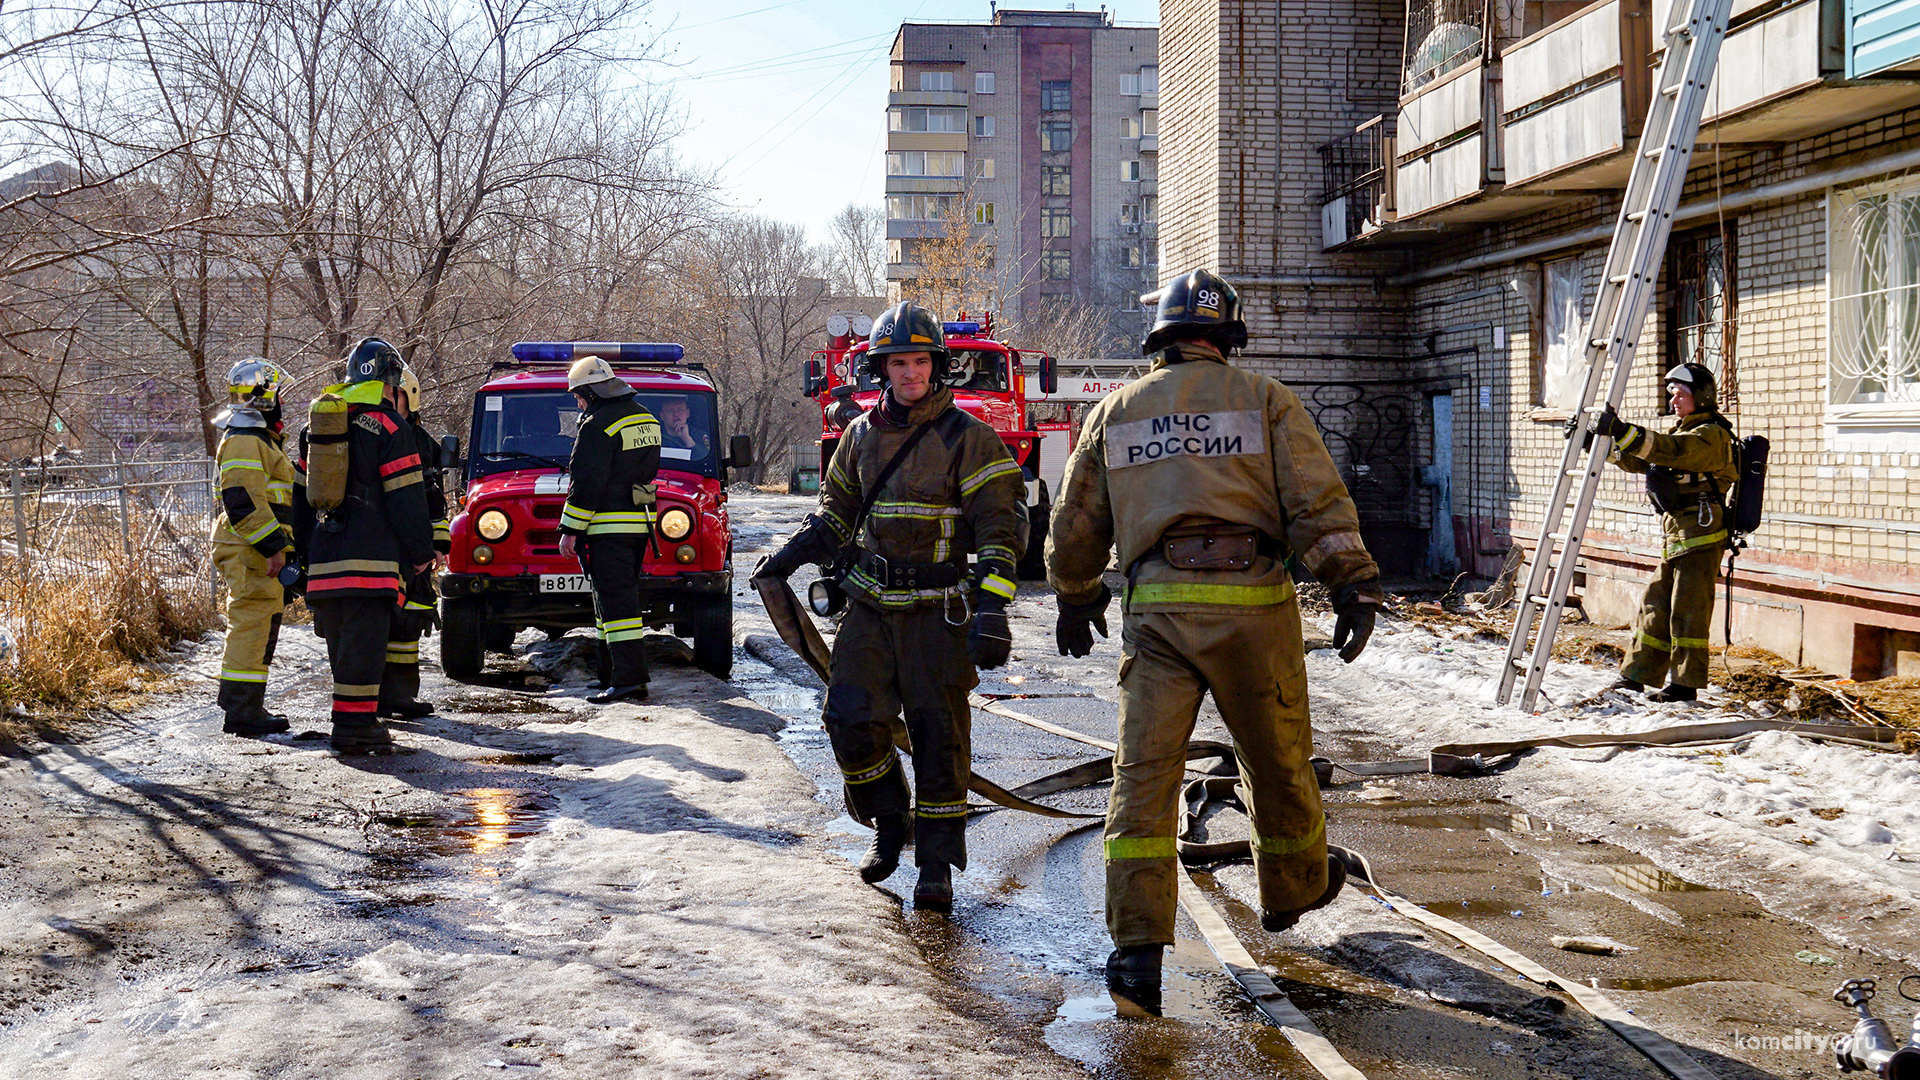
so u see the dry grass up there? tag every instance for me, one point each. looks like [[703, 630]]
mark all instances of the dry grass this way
[[79, 642]]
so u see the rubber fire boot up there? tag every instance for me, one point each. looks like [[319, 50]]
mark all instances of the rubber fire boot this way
[[370, 737], [1133, 972], [935, 889], [890, 833], [1624, 683], [1276, 921], [631, 692], [400, 692], [246, 710], [1674, 692], [602, 666]]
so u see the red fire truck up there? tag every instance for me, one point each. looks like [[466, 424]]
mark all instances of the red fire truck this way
[[505, 572], [989, 381]]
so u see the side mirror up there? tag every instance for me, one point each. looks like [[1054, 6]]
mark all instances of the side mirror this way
[[1049, 375], [450, 452], [740, 452], [842, 392], [813, 376]]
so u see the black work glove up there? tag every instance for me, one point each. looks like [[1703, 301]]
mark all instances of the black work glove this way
[[1073, 631], [812, 544], [1354, 605], [989, 640]]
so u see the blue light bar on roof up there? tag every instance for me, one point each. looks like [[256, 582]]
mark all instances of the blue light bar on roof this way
[[960, 329], [617, 352]]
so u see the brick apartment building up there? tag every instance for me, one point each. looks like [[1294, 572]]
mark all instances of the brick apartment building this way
[[1417, 199], [1041, 128]]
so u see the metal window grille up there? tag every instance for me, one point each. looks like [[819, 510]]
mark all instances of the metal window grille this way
[[1700, 321], [1442, 35], [1874, 305], [1357, 167]]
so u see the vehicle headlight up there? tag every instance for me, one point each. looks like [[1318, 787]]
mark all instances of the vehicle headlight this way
[[675, 524], [493, 525]]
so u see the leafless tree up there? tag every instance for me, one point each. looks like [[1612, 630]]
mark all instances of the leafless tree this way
[[857, 244]]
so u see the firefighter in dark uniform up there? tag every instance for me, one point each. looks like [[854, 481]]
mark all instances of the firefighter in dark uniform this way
[[1689, 470], [252, 541], [400, 686], [360, 555], [608, 517], [956, 491], [1208, 478]]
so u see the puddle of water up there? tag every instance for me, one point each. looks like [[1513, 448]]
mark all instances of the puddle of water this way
[[1516, 823], [1648, 878], [492, 819], [1668, 983], [513, 703], [514, 759]]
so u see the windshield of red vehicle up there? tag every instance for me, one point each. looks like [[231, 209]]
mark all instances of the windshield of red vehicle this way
[[973, 369], [532, 429]]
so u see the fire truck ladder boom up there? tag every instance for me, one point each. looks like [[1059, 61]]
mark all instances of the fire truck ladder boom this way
[[1626, 291]]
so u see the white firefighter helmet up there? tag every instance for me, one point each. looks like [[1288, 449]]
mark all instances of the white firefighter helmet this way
[[255, 381], [596, 375], [409, 390]]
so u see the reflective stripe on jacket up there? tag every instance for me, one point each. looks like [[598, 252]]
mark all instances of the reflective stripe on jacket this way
[[256, 491], [1195, 441], [372, 542], [617, 451]]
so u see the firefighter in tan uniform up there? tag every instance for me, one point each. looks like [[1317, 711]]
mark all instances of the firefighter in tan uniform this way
[[252, 539], [1689, 471], [940, 485], [1207, 478]]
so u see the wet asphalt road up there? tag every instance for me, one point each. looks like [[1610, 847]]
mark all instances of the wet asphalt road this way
[[1745, 993]]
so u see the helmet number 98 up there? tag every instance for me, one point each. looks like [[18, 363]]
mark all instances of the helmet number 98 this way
[[1208, 298]]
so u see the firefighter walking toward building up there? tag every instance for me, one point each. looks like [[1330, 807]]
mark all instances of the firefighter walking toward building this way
[[400, 685], [608, 518], [1207, 478], [1689, 470], [252, 541], [917, 484], [367, 533]]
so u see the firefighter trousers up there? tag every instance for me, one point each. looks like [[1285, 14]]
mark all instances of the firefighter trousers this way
[[613, 568], [356, 629], [1670, 633], [400, 684], [1255, 667], [255, 601], [912, 663]]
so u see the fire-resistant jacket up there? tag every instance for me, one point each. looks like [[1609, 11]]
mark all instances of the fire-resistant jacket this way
[[256, 485], [611, 473], [1198, 441], [430, 465], [957, 492], [371, 543], [1691, 463]]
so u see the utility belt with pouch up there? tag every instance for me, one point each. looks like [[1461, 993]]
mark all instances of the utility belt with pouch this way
[[1215, 546]]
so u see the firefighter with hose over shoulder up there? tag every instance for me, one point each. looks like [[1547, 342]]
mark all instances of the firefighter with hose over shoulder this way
[[1207, 478], [1689, 470], [915, 486], [252, 541]]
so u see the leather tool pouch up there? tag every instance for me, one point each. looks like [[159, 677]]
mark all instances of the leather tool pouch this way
[[1210, 547]]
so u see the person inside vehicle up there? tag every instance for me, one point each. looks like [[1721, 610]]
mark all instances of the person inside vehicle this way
[[676, 427]]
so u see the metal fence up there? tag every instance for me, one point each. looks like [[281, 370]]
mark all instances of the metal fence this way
[[67, 520]]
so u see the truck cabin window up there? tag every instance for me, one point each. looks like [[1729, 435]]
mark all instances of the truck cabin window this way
[[535, 429]]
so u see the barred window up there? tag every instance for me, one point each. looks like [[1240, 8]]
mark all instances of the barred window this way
[[1874, 295], [1700, 317]]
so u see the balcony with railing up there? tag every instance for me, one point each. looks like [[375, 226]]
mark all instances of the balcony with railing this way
[[1356, 195]]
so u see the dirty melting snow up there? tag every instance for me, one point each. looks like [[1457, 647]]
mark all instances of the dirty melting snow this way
[[1820, 832]]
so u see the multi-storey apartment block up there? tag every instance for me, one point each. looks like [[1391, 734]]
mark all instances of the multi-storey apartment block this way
[[1416, 196], [1040, 130]]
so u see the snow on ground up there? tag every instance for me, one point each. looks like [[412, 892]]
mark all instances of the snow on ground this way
[[1819, 832]]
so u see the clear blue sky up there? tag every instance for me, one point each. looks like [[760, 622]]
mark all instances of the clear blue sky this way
[[788, 98]]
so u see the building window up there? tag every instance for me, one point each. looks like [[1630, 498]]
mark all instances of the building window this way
[[1129, 213], [1056, 221], [1130, 85], [914, 118], [983, 213], [926, 163], [1056, 180], [896, 251], [983, 127], [937, 81], [1130, 298], [983, 82], [1130, 256], [918, 207], [1150, 208], [1153, 253], [1056, 135], [1129, 127], [1150, 80], [1056, 264], [1563, 362], [1149, 121], [1130, 170], [986, 168], [1700, 318], [1056, 96]]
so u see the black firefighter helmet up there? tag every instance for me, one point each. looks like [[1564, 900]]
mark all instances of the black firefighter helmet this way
[[907, 327], [1197, 304], [373, 360], [1697, 378]]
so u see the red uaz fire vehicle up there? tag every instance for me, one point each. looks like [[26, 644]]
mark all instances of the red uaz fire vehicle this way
[[989, 381], [506, 573]]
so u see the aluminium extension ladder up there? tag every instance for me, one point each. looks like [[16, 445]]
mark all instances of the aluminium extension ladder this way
[[1626, 291]]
